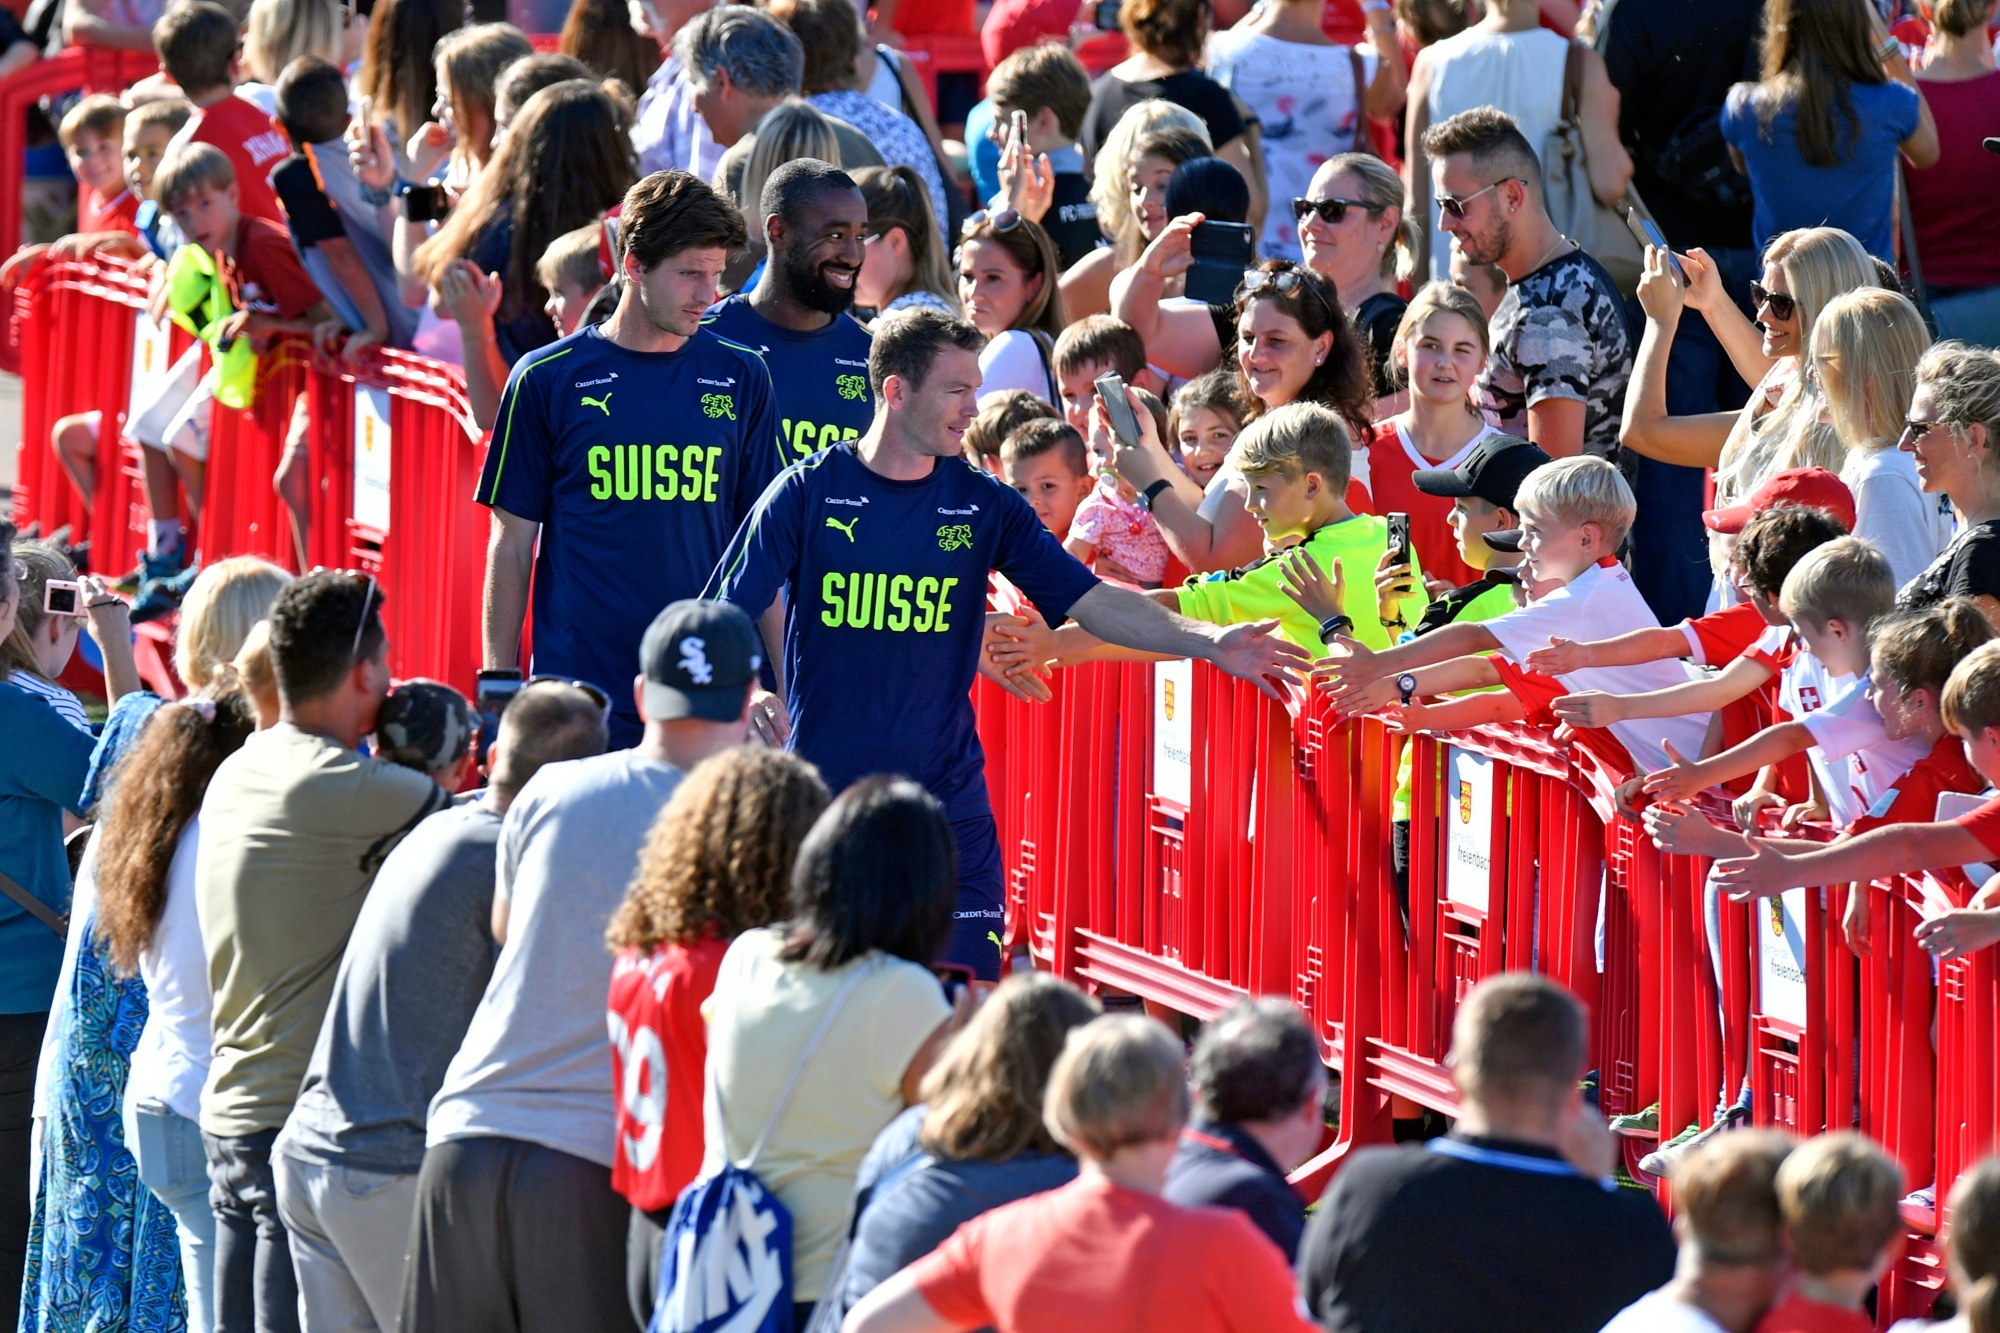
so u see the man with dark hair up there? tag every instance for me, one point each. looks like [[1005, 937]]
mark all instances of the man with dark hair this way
[[1258, 1084], [882, 547], [294, 827], [1561, 351], [631, 449], [813, 218], [517, 1225], [1510, 1222], [414, 972]]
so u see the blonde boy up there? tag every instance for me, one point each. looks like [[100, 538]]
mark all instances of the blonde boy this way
[[1837, 1196], [570, 273], [1574, 512]]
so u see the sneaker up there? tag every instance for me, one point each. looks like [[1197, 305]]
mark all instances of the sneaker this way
[[151, 567], [1638, 1123], [1660, 1161], [161, 596], [1925, 1198]]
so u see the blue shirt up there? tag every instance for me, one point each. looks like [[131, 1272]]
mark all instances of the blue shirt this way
[[638, 466], [42, 767], [820, 378], [1857, 194], [885, 605]]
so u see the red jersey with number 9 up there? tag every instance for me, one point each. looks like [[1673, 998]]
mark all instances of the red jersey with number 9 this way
[[659, 1043]]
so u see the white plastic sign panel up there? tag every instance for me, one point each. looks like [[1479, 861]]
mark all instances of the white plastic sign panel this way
[[152, 358], [1780, 924], [372, 453], [1173, 731], [1468, 822]]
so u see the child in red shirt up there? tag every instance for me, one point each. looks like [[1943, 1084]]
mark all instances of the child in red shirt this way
[[1837, 1196], [197, 43]]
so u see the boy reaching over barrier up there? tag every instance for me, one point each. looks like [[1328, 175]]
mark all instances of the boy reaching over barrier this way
[[1574, 514]]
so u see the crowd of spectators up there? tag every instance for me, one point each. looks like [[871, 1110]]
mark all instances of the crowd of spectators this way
[[668, 981]]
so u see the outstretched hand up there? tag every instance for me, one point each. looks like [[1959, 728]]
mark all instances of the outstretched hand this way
[[1255, 652], [1348, 667], [1561, 657], [1681, 780], [1306, 582], [1587, 708], [1763, 870]]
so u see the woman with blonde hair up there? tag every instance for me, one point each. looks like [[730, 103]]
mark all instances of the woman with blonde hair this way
[[1954, 433], [903, 257], [278, 32], [717, 862], [1779, 427], [1087, 285], [39, 646], [1865, 349], [227, 599], [978, 1140]]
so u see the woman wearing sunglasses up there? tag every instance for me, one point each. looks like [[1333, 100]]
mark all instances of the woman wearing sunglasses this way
[[1007, 280], [1353, 230], [1779, 427], [1953, 429]]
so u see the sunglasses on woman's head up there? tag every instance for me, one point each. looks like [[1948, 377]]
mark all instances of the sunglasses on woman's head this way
[[1283, 282], [1004, 221], [1331, 211], [1779, 304]]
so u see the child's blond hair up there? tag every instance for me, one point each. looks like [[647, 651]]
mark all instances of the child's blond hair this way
[[572, 258], [1846, 579], [99, 114], [1971, 701], [1121, 1080], [1575, 491], [1838, 1195], [1293, 440], [172, 112], [189, 168]]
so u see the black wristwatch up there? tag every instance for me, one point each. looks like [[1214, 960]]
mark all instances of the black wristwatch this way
[[1406, 685], [1152, 493], [1333, 625]]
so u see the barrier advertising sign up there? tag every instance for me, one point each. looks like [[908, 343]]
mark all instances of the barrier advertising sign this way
[[1173, 730], [371, 457], [1468, 811], [1781, 956]]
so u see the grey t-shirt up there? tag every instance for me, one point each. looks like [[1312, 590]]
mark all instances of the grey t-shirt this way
[[415, 969], [536, 1062]]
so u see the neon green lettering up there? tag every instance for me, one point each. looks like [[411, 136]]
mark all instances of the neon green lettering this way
[[629, 464], [899, 598], [860, 593], [829, 591], [600, 476], [709, 476], [669, 485], [943, 606], [926, 612]]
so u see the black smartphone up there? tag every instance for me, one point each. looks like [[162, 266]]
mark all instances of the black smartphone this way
[[1222, 251], [1645, 231], [1111, 391], [954, 977], [1105, 18], [427, 203], [489, 700], [1399, 538]]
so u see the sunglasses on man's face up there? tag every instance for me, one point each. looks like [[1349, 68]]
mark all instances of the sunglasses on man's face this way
[[1331, 211], [1780, 305], [1454, 207]]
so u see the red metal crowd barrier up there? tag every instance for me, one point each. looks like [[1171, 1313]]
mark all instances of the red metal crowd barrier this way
[[394, 456]]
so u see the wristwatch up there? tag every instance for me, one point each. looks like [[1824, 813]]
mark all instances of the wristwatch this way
[[1152, 493], [1333, 625], [1406, 685]]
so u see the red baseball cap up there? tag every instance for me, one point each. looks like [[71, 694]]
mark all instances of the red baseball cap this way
[[1813, 486]]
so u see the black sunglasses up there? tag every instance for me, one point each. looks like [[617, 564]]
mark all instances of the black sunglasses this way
[[1004, 221], [1331, 211], [1456, 207], [1779, 304], [1283, 282], [597, 696]]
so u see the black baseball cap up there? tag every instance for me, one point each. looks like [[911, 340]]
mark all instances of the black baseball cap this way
[[1493, 472], [697, 657]]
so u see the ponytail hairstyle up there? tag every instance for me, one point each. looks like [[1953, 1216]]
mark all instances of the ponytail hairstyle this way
[[159, 787], [1030, 248], [1919, 649], [790, 130], [1972, 1245], [1381, 188], [898, 199]]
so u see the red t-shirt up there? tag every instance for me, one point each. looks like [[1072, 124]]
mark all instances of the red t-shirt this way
[[255, 146], [118, 213], [658, 1046], [1983, 824], [1796, 1314], [264, 273], [1391, 461], [1537, 691], [1718, 639], [1096, 1257], [1913, 800], [1724, 636]]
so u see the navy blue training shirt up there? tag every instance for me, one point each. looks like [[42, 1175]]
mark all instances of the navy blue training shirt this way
[[638, 466], [886, 607], [820, 378]]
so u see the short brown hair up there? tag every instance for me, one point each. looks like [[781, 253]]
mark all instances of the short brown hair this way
[[1046, 435], [1778, 538], [572, 257], [1169, 29], [1046, 74], [671, 211], [1971, 701], [190, 167], [1727, 1194], [98, 114], [1846, 579], [1517, 1035], [1838, 1194], [830, 31], [172, 112], [1919, 650], [719, 858], [1000, 415], [907, 343], [1120, 1081], [1293, 440], [196, 43], [1495, 142], [1216, 390], [984, 1095], [1103, 340]]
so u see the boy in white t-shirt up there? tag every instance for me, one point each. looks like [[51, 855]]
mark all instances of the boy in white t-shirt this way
[[1574, 513]]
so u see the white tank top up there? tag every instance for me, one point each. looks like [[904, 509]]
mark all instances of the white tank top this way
[[1520, 73]]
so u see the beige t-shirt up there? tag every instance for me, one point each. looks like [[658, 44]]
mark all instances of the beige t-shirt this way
[[294, 827], [761, 1015]]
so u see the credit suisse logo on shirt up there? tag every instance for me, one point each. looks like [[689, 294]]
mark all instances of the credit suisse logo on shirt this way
[[899, 603]]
